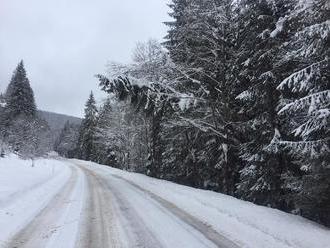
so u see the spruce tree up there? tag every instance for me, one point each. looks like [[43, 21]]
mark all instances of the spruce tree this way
[[86, 148], [105, 135], [175, 34], [200, 43], [305, 106], [23, 130], [255, 77], [19, 95], [2, 118]]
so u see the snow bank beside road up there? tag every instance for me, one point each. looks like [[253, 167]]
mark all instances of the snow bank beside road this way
[[18, 176], [245, 223], [26, 190]]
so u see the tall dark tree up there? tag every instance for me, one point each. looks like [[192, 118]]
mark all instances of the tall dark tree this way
[[22, 129], [19, 95], [86, 148], [2, 121], [305, 107], [255, 77], [200, 43]]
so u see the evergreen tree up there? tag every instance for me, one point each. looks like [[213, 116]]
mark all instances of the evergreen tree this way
[[2, 120], [86, 138], [2, 100], [22, 129], [175, 34], [19, 95], [200, 43], [104, 135], [305, 108], [237, 72], [255, 78]]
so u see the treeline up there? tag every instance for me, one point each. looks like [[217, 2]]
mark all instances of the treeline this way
[[114, 134], [236, 100], [21, 129]]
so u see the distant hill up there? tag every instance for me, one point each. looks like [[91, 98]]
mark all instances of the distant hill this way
[[56, 122]]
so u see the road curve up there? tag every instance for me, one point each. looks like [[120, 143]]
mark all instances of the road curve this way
[[113, 212], [143, 219]]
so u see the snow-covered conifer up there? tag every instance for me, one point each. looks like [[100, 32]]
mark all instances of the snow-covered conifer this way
[[86, 139]]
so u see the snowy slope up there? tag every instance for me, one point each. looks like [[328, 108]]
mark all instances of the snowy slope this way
[[245, 223]]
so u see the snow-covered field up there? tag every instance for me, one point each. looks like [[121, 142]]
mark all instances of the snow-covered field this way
[[72, 203]]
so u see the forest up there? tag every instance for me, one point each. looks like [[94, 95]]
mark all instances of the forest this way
[[236, 99]]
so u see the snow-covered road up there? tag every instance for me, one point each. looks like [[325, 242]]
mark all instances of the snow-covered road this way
[[69, 204], [123, 214]]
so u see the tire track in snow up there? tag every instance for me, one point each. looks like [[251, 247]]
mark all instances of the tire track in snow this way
[[110, 222], [189, 219], [198, 230], [41, 229], [97, 227]]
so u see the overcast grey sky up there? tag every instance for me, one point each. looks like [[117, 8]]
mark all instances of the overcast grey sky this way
[[64, 43]]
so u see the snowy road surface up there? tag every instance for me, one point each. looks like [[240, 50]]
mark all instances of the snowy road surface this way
[[82, 204]]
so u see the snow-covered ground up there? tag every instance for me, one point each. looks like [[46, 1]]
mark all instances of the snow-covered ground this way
[[25, 191], [72, 203], [247, 224]]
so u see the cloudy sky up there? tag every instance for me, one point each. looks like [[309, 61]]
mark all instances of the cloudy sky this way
[[64, 43]]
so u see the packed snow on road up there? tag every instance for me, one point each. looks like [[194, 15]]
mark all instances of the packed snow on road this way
[[72, 203]]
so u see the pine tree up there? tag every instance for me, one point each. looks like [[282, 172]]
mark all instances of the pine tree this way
[[104, 136], [255, 78], [200, 43], [2, 118], [19, 95], [23, 130], [2, 100], [305, 108], [175, 34], [86, 139]]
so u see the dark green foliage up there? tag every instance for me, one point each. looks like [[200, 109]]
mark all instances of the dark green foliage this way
[[86, 147], [242, 104], [303, 62], [256, 80], [19, 95], [21, 129]]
